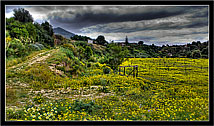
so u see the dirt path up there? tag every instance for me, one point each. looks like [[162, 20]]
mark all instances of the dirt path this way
[[38, 58]]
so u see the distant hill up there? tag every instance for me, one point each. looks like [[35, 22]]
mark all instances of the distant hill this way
[[63, 32]]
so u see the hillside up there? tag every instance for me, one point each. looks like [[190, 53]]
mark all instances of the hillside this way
[[63, 32]]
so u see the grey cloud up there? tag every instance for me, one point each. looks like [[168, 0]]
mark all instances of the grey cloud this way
[[88, 19], [84, 16], [166, 24], [175, 22]]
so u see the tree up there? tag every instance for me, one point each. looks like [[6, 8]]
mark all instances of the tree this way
[[196, 54], [75, 37], [48, 28], [22, 15], [194, 43], [188, 54], [126, 41], [80, 38], [101, 40], [46, 33], [193, 47], [47, 39], [9, 21], [18, 30], [140, 43], [31, 30], [116, 56], [198, 43], [204, 51], [40, 32]]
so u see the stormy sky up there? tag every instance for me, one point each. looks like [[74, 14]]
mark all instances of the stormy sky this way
[[159, 25]]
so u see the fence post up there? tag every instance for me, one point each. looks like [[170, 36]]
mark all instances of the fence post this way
[[124, 71], [137, 71]]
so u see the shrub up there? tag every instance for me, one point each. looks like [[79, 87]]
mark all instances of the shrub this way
[[70, 47], [68, 52], [36, 46], [40, 46], [16, 49]]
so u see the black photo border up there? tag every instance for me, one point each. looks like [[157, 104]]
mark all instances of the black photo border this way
[[211, 44]]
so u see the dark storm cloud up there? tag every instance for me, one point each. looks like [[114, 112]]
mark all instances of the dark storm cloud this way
[[77, 17], [89, 19], [80, 19], [192, 18], [166, 24], [157, 24], [108, 17]]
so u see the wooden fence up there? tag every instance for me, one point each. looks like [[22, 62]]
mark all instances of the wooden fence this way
[[134, 71]]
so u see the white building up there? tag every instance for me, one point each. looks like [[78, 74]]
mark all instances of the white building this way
[[90, 41]]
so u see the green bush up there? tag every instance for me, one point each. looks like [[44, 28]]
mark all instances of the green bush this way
[[36, 46], [17, 49], [71, 47], [68, 52], [18, 30]]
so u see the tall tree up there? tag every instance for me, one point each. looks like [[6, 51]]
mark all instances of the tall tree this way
[[126, 41], [22, 15], [47, 27], [31, 30], [47, 34]]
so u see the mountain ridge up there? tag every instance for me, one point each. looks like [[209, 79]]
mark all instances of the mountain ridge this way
[[63, 32]]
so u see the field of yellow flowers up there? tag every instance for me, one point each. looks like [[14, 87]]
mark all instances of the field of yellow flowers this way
[[179, 86], [165, 89]]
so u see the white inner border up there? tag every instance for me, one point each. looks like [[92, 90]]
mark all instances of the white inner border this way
[[124, 5]]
